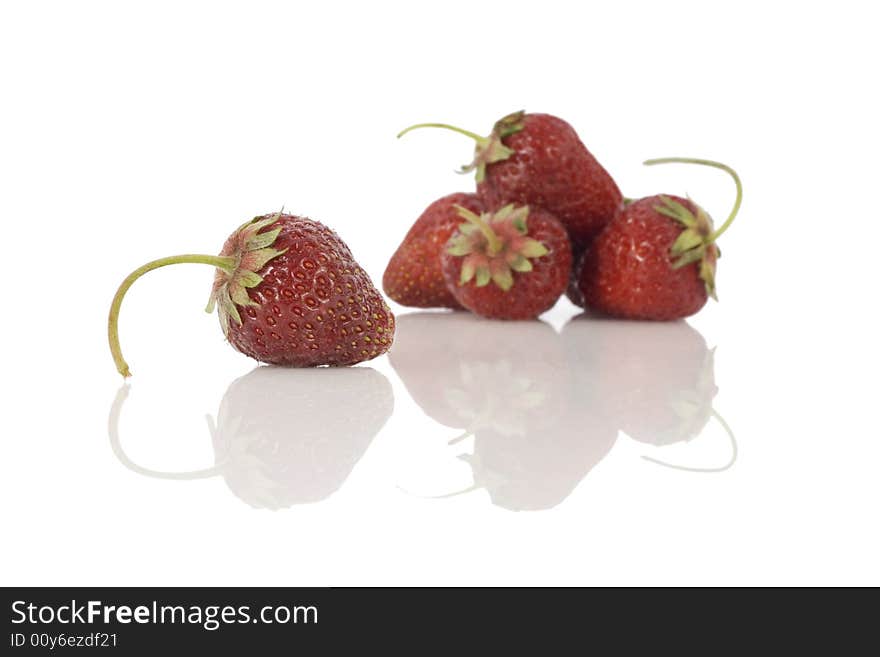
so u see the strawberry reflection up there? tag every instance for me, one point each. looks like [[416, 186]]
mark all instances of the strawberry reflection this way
[[543, 407], [279, 438], [508, 385], [655, 380]]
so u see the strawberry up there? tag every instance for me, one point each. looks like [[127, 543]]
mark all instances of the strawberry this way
[[510, 264], [656, 259], [413, 276], [538, 160], [271, 435], [288, 292]]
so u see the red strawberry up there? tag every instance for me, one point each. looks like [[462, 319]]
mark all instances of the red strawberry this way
[[289, 293], [413, 276], [538, 160], [510, 264], [656, 259]]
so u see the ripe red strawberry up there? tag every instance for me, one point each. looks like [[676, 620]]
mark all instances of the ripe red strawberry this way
[[289, 292], [538, 160], [656, 259], [413, 276], [510, 264]]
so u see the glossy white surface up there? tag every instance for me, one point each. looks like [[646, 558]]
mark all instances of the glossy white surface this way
[[477, 452]]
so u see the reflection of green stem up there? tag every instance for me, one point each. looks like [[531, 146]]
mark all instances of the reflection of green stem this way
[[717, 165], [225, 263], [467, 433], [462, 436], [445, 496], [733, 455], [116, 446]]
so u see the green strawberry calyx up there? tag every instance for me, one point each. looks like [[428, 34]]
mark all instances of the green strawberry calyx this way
[[246, 253], [693, 243], [487, 150], [494, 246], [252, 250], [697, 241]]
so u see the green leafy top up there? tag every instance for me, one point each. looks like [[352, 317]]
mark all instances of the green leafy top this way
[[252, 250], [491, 149], [494, 246], [695, 243]]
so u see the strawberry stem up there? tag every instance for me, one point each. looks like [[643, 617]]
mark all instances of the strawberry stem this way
[[224, 263], [481, 141], [717, 165]]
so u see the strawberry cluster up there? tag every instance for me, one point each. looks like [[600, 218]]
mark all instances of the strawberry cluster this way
[[546, 219]]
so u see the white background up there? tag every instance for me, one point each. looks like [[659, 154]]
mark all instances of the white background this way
[[133, 131]]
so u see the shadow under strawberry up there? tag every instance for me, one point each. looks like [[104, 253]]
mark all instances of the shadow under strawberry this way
[[507, 386], [280, 438]]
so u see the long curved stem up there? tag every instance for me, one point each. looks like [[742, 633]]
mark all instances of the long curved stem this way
[[717, 165], [467, 133], [226, 263]]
